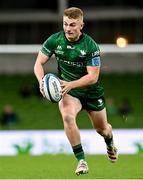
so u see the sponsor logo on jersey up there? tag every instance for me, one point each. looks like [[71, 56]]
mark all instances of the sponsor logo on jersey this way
[[96, 61], [96, 53], [59, 47], [71, 63], [70, 47], [59, 50]]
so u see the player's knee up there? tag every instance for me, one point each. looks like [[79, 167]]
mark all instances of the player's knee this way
[[69, 120]]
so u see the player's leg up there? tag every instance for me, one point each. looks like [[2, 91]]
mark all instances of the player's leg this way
[[99, 121], [69, 107]]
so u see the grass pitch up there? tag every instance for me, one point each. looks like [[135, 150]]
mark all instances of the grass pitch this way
[[63, 167]]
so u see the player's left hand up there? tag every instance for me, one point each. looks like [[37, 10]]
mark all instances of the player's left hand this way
[[66, 87]]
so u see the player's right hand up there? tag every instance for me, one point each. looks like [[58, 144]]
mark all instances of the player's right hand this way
[[41, 87]]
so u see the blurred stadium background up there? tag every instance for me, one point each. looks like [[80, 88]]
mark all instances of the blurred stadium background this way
[[24, 26]]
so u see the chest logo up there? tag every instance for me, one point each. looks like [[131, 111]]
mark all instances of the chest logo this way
[[83, 53], [70, 47], [59, 50], [59, 47]]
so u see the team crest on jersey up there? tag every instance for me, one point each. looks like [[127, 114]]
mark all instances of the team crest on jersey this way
[[83, 53]]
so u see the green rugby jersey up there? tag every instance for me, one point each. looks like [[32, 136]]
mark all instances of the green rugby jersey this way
[[72, 59]]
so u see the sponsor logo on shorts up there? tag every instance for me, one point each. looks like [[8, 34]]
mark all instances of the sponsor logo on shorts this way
[[100, 101]]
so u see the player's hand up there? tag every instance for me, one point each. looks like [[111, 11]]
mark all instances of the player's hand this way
[[66, 87], [41, 87]]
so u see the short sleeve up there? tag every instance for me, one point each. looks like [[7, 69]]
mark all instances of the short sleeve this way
[[93, 55], [48, 46]]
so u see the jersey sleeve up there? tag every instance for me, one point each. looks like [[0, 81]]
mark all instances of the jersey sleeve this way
[[48, 46], [93, 58]]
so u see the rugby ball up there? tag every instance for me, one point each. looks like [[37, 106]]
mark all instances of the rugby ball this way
[[52, 87]]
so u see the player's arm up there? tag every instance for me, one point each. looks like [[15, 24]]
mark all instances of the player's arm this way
[[38, 66], [39, 69], [90, 78], [93, 70], [44, 54]]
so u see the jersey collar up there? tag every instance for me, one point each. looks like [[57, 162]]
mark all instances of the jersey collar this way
[[74, 42]]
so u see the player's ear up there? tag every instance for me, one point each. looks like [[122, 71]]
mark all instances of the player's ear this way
[[82, 25]]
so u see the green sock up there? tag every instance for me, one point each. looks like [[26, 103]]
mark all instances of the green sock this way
[[109, 141], [78, 152]]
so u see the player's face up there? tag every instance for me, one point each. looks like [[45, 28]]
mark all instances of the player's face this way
[[72, 28]]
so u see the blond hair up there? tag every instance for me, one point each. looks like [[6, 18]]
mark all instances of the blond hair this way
[[73, 13]]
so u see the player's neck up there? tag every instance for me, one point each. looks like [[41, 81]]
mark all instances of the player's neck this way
[[75, 39]]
